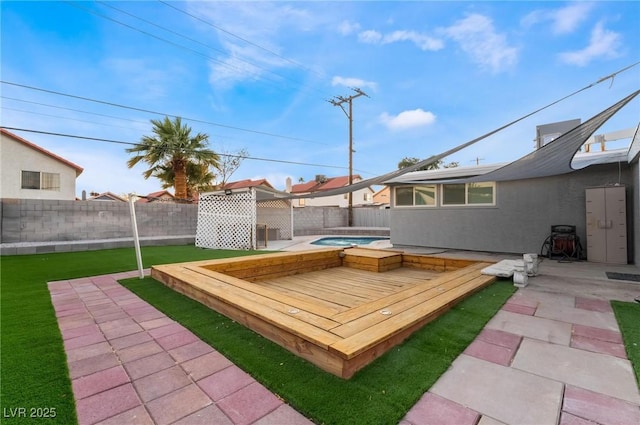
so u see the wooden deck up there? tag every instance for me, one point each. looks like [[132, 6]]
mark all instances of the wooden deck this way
[[329, 306]]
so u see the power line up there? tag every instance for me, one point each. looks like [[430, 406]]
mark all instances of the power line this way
[[93, 12], [218, 136], [68, 109], [222, 63], [241, 38], [120, 142], [148, 111]]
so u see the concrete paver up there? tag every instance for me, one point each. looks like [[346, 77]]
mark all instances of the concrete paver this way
[[598, 407], [598, 346], [594, 371], [432, 409], [578, 316], [178, 404], [249, 404], [508, 395], [532, 327]]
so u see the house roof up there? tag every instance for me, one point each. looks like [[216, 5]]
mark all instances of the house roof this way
[[154, 195], [35, 147], [107, 196], [247, 183], [319, 186]]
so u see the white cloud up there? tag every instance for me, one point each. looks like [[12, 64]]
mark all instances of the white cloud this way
[[602, 44], [347, 27], [271, 23], [567, 19], [353, 82], [370, 37], [422, 41], [408, 119], [478, 38], [564, 20]]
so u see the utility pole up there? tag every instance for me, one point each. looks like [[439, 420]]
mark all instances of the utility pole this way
[[340, 101]]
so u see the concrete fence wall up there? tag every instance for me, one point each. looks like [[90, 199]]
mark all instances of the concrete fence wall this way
[[36, 220], [308, 220], [61, 226], [371, 217]]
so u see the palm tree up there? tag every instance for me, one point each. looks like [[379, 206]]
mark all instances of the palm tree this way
[[173, 147], [199, 178]]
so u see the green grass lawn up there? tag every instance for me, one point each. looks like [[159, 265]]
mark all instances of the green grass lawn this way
[[34, 368], [34, 372], [628, 317]]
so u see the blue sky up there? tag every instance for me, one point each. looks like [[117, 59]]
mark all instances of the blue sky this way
[[257, 75]]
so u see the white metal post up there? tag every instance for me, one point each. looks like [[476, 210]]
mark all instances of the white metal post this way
[[136, 239]]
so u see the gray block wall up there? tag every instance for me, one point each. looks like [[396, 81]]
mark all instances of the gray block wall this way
[[33, 220], [522, 217], [308, 220]]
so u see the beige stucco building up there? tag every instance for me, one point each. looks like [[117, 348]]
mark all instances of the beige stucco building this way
[[28, 171]]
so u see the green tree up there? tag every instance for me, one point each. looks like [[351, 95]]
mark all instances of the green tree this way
[[173, 147], [409, 161]]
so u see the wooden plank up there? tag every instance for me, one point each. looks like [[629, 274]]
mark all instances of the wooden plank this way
[[377, 305], [411, 300], [393, 280], [310, 305], [273, 264], [372, 253], [374, 335], [262, 307], [441, 264], [372, 260], [338, 286], [263, 270], [322, 305], [299, 345], [314, 290], [364, 284]]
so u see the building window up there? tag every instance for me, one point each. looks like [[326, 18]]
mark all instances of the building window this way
[[421, 196], [453, 194], [30, 180], [367, 197], [40, 181], [468, 194], [301, 202]]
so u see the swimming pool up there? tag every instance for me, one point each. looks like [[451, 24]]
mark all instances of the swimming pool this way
[[348, 240]]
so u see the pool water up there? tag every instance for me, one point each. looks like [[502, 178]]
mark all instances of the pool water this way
[[347, 240]]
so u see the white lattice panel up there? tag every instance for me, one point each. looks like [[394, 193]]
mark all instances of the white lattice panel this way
[[227, 221], [276, 214]]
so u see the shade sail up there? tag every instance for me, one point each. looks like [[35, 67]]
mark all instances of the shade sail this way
[[555, 157], [552, 159]]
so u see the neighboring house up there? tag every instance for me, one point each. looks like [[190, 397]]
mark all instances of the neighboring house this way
[[511, 208], [28, 171], [161, 196], [382, 197], [322, 184], [241, 184], [106, 196]]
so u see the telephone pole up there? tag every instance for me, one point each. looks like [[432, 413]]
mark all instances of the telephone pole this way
[[340, 101]]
